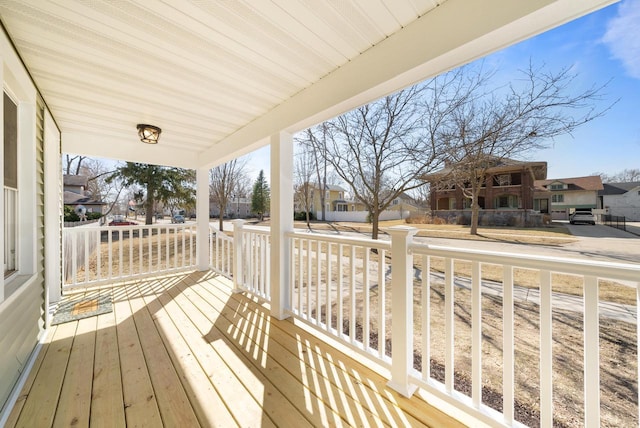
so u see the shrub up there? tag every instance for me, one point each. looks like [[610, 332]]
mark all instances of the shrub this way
[[302, 216]]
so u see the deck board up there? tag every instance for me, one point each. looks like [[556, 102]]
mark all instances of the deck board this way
[[183, 350], [75, 398], [107, 407]]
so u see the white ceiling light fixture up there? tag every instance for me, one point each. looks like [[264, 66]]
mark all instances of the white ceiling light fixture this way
[[148, 133]]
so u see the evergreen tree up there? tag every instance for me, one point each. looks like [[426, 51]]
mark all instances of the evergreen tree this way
[[171, 186], [260, 199]]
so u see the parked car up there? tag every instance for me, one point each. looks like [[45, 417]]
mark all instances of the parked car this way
[[585, 217], [177, 219], [120, 220]]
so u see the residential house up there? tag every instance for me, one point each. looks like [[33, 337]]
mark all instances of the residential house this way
[[237, 207], [89, 77], [405, 206], [621, 199], [505, 198], [74, 194], [334, 199], [565, 195]]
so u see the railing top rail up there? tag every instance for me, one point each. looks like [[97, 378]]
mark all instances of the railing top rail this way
[[597, 268], [345, 240], [130, 227], [257, 229]]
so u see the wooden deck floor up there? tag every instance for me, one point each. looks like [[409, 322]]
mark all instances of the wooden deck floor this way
[[182, 351]]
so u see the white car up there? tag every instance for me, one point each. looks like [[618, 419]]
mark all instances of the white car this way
[[582, 217]]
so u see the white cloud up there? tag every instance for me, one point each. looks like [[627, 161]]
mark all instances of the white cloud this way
[[623, 36]]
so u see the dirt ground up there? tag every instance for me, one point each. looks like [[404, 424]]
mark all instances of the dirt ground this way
[[618, 355]]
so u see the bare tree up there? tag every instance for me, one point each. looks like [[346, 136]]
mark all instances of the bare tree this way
[[70, 168], [627, 175], [224, 180], [314, 139], [492, 125], [304, 169], [381, 149]]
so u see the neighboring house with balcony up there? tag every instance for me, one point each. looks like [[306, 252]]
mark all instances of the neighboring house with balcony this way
[[505, 198], [565, 195], [621, 199]]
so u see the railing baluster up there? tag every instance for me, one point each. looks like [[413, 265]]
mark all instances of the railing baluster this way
[[120, 251], [74, 258], [382, 304], [308, 288], [328, 311], [365, 289], [591, 353], [476, 334], [99, 255], [449, 324], [318, 282], [86, 256], [426, 317], [508, 346], [352, 285], [300, 275], [546, 350], [340, 309]]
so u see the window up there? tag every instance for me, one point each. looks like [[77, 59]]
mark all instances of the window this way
[[503, 180], [558, 186], [557, 198], [466, 203], [507, 201], [10, 184]]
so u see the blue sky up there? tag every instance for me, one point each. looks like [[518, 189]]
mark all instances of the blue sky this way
[[599, 47]]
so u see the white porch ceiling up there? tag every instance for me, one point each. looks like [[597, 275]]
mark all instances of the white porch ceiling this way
[[220, 77]]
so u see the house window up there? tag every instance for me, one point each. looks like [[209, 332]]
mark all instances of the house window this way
[[452, 203], [466, 203], [10, 185], [503, 180], [557, 187], [506, 201], [557, 198]]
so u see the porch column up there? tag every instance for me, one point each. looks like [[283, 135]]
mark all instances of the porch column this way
[[202, 219], [281, 222], [402, 309]]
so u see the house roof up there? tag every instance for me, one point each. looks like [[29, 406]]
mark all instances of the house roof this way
[[618, 188], [72, 198], [592, 182], [75, 180], [539, 168], [333, 187], [222, 78]]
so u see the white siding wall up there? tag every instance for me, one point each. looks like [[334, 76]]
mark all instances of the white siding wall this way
[[627, 205], [23, 294], [20, 323]]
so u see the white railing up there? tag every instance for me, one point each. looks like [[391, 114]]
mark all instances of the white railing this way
[[221, 252], [252, 270], [338, 284], [97, 255], [465, 324], [533, 343]]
